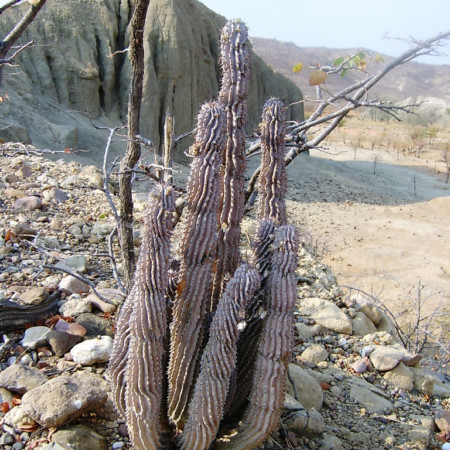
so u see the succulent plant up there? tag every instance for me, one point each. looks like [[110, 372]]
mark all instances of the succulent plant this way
[[206, 365]]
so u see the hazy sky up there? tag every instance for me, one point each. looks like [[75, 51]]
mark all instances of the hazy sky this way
[[342, 23]]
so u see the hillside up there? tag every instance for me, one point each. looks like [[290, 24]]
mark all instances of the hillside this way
[[409, 81]]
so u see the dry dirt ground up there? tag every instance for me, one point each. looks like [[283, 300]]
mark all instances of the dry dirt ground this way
[[381, 222]]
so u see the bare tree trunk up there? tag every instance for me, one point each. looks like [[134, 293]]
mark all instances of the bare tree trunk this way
[[17, 31], [133, 151]]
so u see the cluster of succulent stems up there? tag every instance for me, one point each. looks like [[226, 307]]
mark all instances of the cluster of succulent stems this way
[[204, 365]]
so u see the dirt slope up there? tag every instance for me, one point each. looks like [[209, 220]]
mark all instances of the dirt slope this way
[[379, 232]]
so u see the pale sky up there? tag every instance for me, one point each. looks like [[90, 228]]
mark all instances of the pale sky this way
[[342, 23]]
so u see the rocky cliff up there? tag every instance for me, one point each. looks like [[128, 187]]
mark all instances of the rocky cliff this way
[[71, 75]]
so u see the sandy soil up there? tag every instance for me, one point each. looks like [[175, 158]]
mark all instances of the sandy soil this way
[[381, 232]]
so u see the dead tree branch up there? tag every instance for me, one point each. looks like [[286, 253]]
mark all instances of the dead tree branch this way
[[354, 96], [17, 31], [133, 151]]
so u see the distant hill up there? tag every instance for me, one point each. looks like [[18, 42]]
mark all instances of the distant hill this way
[[411, 80]]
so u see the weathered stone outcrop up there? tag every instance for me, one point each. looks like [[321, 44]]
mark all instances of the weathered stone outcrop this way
[[72, 74]]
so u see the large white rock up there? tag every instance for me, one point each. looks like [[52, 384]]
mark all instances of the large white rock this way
[[326, 314], [92, 351]]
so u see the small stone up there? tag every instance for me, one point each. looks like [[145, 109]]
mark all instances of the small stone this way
[[57, 195], [62, 342], [366, 350], [372, 312], [24, 172], [73, 285], [5, 396], [326, 314], [56, 225], [92, 351], [21, 379], [291, 404], [315, 353], [80, 437], [28, 203], [316, 424], [26, 359], [442, 420], [359, 366], [401, 376], [296, 421], [100, 304], [35, 337], [17, 417], [117, 445], [420, 435], [387, 325], [34, 296], [77, 262], [331, 442], [362, 325], [423, 381], [10, 178], [6, 439], [411, 360], [95, 325], [75, 307], [123, 429], [24, 231], [385, 358], [75, 230], [92, 175]]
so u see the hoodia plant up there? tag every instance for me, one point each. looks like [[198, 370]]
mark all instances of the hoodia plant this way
[[204, 365]]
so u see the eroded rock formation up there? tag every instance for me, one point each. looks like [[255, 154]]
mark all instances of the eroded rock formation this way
[[71, 75]]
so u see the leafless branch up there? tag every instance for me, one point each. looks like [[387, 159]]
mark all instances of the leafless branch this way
[[73, 272], [10, 59], [17, 31], [354, 96], [9, 4]]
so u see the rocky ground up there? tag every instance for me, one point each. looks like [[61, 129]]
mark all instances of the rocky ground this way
[[353, 385]]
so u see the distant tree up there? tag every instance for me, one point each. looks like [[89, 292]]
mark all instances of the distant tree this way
[[7, 50]]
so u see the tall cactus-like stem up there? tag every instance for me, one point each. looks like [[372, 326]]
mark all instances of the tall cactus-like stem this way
[[136, 365], [271, 212], [197, 249], [272, 181], [275, 346], [218, 361], [235, 62]]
